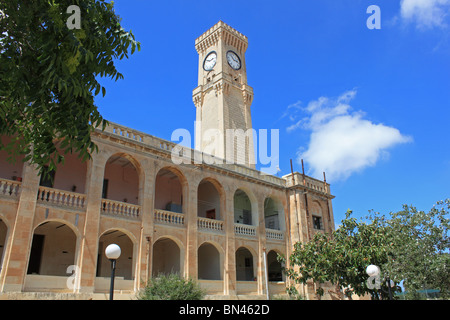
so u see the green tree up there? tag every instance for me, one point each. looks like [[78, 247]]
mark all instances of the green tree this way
[[342, 257], [409, 245], [48, 75], [420, 250], [171, 287]]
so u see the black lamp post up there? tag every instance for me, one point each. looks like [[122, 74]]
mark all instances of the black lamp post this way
[[112, 252]]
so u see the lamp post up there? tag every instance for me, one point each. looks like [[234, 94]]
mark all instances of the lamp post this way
[[112, 252], [374, 272]]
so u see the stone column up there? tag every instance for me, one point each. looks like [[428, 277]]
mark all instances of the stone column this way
[[146, 200], [230, 246], [89, 243], [17, 254], [190, 210], [261, 233]]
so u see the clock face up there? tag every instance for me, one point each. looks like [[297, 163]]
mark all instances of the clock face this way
[[233, 60], [210, 61]]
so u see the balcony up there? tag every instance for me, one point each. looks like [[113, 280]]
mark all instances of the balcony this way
[[205, 224], [61, 198], [10, 189], [168, 218], [120, 209], [244, 230], [275, 235]]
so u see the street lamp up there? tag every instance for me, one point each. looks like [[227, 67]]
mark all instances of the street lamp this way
[[112, 252], [374, 271]]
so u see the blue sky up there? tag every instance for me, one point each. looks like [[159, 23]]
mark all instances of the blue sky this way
[[368, 107]]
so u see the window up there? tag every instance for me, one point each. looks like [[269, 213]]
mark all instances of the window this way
[[317, 223]]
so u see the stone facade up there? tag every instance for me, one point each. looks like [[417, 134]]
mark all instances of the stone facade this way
[[222, 225]]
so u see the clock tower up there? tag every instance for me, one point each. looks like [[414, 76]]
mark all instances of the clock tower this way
[[223, 97]]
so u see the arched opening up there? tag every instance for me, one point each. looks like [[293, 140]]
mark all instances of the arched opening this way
[[121, 180], [3, 233], [274, 267], [68, 176], [243, 208], [317, 216], [52, 250], [209, 262], [10, 169], [208, 201], [168, 191], [124, 265], [244, 265], [273, 214], [166, 257]]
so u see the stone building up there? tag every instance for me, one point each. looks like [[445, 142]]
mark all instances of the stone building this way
[[221, 224]]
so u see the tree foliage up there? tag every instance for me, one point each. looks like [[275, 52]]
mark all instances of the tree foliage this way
[[340, 258], [420, 252], [171, 287], [48, 75], [409, 245]]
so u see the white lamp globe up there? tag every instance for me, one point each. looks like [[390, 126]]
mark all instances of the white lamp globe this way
[[112, 251], [372, 270]]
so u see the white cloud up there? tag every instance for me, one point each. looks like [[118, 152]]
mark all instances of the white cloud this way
[[425, 13], [341, 141]]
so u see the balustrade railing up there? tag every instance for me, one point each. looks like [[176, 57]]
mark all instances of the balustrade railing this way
[[168, 217], [209, 224], [274, 234], [10, 188], [61, 198], [245, 230], [122, 209]]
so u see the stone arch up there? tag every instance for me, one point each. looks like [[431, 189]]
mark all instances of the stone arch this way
[[274, 213], [4, 236], [317, 215], [69, 176], [10, 170], [167, 256], [53, 248], [274, 267], [245, 207], [121, 178], [211, 197], [171, 189], [210, 261], [246, 266], [125, 265]]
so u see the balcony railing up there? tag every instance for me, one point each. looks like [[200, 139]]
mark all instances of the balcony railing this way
[[244, 230], [120, 209], [209, 224], [168, 217], [274, 234], [10, 188], [61, 198]]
